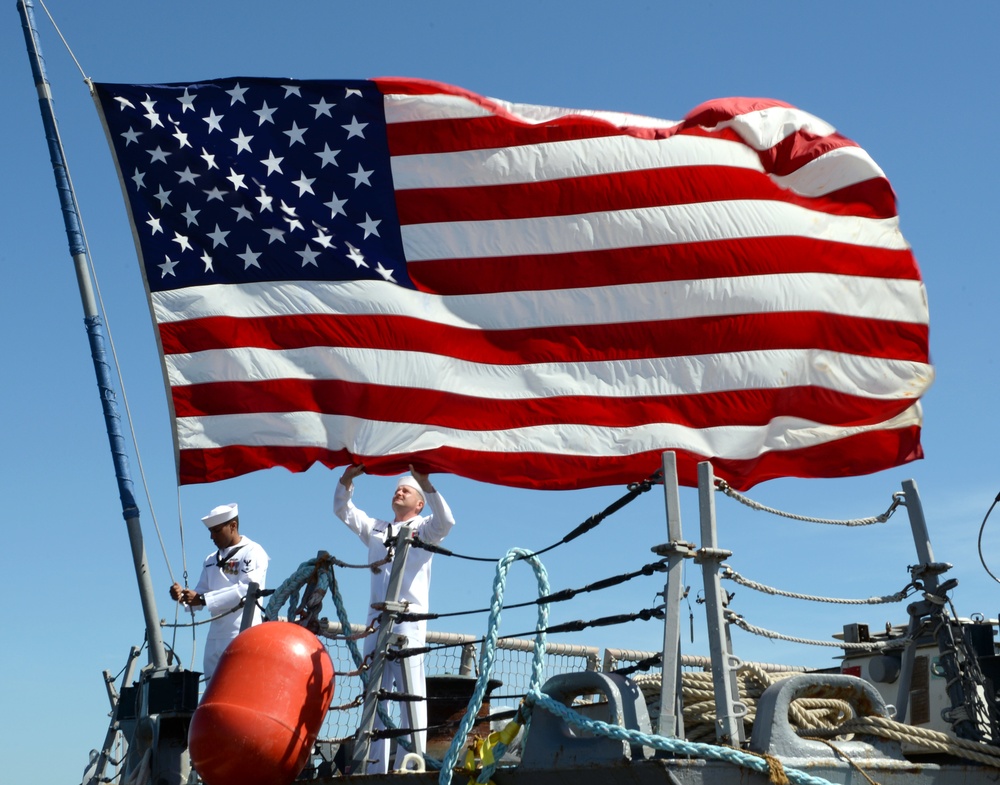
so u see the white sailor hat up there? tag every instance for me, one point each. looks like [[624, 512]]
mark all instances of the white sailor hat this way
[[408, 481], [220, 515]]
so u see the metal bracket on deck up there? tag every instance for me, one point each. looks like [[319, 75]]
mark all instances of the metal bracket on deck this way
[[773, 734], [553, 743]]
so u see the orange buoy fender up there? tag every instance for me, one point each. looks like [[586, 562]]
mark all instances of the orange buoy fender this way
[[263, 708]]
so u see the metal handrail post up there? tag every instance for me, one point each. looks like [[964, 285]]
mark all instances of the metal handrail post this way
[[671, 721], [250, 605], [729, 710]]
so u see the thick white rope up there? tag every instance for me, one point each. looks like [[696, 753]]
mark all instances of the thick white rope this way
[[731, 574], [723, 486]]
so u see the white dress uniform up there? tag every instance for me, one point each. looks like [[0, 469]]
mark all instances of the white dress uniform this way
[[225, 577], [415, 589]]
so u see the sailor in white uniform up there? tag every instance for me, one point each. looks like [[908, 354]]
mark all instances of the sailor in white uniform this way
[[409, 500], [225, 577]]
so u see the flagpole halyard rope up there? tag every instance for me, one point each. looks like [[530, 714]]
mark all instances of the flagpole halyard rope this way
[[63, 38]]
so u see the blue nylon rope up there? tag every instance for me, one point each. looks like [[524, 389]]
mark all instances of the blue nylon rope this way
[[677, 746], [488, 655]]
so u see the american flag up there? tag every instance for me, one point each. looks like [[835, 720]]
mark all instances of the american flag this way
[[398, 271]]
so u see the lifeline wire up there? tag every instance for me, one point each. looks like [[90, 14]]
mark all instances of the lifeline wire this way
[[636, 489], [200, 622], [569, 626], [559, 596], [387, 733], [725, 488], [982, 528], [739, 621], [731, 574]]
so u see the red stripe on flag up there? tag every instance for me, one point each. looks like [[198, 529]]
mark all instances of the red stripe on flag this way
[[569, 344], [627, 191], [785, 157], [483, 133], [501, 128], [463, 412], [855, 455], [711, 113], [649, 264]]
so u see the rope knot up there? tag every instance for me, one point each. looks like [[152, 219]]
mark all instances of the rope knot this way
[[775, 771]]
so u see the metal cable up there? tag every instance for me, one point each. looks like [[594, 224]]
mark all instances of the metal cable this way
[[636, 489], [559, 596]]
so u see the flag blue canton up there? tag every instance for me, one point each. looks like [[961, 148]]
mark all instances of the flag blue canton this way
[[267, 181]]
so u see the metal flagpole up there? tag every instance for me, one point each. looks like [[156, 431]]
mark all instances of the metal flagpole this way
[[95, 333]]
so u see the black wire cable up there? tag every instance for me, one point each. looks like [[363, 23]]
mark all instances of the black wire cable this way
[[980, 544], [636, 489], [559, 596], [392, 733], [642, 665], [570, 626]]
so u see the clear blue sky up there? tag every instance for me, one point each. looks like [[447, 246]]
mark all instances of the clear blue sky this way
[[913, 83]]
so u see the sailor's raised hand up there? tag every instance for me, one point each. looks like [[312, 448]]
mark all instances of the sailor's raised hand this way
[[350, 473], [422, 480]]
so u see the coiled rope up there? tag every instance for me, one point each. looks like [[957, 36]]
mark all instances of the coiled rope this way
[[697, 689], [925, 739], [319, 569], [821, 719]]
